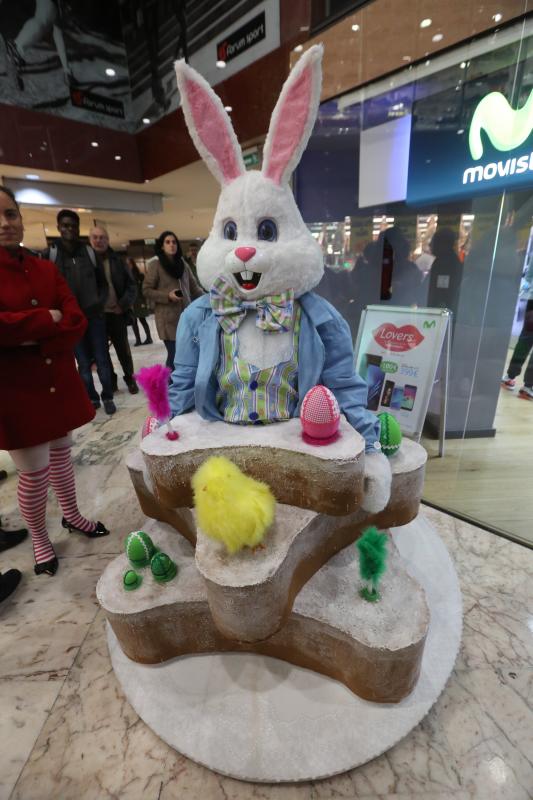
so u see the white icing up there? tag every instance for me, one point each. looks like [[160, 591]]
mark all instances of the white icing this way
[[197, 433]]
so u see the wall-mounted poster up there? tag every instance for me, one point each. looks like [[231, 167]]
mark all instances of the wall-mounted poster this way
[[65, 57]]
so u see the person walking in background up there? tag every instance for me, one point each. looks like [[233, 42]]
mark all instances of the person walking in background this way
[[170, 286], [141, 307], [401, 280], [43, 397], [192, 255], [85, 276], [446, 274], [524, 345], [120, 298]]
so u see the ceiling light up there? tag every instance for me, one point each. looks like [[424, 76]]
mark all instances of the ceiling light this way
[[111, 72], [497, 17], [94, 144], [228, 109], [146, 120], [355, 28], [221, 64], [406, 58], [150, 226], [426, 23], [31, 177], [298, 48], [118, 158], [438, 37], [460, 131], [463, 64], [427, 63]]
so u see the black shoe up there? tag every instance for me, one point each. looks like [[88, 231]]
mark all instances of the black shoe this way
[[11, 538], [114, 384], [138, 344], [96, 404], [8, 582], [132, 385], [100, 530], [48, 567], [149, 341], [109, 407]]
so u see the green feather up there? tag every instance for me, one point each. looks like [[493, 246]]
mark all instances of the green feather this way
[[372, 548]]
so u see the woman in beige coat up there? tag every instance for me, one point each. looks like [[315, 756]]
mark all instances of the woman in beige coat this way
[[170, 286]]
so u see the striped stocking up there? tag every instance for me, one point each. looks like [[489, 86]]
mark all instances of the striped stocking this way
[[32, 493], [64, 485]]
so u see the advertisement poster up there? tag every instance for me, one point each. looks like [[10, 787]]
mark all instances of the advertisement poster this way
[[397, 353]]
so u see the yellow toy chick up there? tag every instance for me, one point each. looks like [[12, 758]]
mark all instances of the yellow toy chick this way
[[231, 507]]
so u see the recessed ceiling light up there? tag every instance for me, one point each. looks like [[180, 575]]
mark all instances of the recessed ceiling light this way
[[406, 58], [94, 144], [118, 158], [32, 177], [146, 120], [110, 71], [427, 63], [298, 48], [497, 17], [228, 108], [221, 64], [438, 37], [150, 226], [426, 23], [460, 131], [355, 28], [147, 180], [463, 64]]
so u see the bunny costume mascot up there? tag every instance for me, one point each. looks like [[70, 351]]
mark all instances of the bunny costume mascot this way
[[249, 350]]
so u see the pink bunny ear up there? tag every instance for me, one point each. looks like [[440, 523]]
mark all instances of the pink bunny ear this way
[[209, 125], [294, 116]]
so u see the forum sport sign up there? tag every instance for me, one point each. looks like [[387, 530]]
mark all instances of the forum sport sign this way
[[494, 153]]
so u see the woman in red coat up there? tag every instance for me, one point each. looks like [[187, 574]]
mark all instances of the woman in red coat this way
[[42, 397]]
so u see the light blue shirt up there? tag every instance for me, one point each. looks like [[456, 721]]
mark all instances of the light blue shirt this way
[[325, 356]]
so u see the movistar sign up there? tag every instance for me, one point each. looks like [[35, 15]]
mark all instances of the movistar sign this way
[[506, 129], [495, 152]]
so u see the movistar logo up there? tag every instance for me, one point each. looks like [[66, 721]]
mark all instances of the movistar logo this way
[[506, 129]]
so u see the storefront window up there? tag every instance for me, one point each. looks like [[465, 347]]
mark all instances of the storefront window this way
[[420, 191]]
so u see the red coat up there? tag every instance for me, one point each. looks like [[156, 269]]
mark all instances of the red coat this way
[[42, 396]]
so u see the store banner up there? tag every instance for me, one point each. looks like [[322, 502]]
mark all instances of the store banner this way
[[397, 352], [492, 152]]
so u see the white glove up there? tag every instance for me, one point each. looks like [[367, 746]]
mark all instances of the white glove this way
[[377, 482]]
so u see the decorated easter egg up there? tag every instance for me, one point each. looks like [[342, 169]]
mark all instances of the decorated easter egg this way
[[131, 580], [391, 435], [139, 549], [150, 424], [320, 416], [163, 568]]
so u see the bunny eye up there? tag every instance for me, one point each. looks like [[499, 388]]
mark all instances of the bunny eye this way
[[230, 229], [267, 230]]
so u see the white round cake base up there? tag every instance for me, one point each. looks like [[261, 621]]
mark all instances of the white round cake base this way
[[260, 719]]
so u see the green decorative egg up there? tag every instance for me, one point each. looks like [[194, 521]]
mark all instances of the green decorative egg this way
[[391, 435], [163, 568], [131, 580], [139, 549]]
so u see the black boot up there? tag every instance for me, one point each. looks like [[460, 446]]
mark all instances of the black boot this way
[[9, 582], [100, 530], [132, 385], [11, 538]]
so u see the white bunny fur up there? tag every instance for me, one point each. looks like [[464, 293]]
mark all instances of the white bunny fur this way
[[293, 261]]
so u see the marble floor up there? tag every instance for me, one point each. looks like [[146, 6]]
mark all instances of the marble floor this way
[[67, 732]]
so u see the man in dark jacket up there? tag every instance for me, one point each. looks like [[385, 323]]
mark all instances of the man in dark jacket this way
[[85, 276], [122, 291]]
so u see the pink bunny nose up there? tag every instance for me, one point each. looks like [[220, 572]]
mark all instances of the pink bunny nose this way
[[245, 253]]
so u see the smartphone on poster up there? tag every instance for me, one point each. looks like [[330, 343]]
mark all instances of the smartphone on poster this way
[[409, 394], [374, 378], [386, 399]]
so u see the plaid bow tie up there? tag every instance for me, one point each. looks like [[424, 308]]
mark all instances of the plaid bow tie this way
[[274, 313]]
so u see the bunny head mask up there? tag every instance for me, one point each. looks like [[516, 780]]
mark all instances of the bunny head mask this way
[[259, 241]]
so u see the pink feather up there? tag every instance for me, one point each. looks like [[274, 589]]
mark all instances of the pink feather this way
[[154, 383]]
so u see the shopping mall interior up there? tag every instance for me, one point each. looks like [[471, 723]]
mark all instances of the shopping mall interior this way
[[400, 162]]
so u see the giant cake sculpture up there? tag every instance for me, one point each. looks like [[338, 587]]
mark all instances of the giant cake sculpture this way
[[278, 468]]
